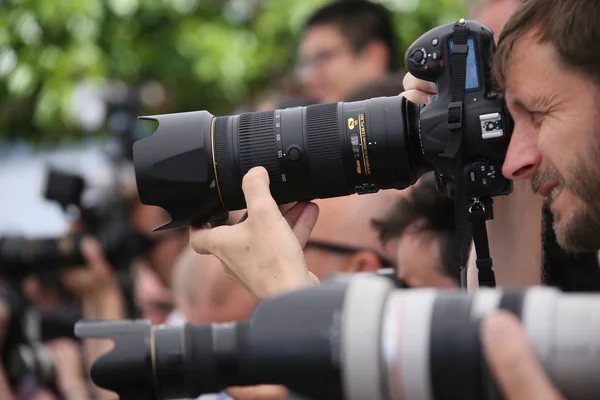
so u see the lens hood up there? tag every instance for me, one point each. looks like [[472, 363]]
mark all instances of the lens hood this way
[[175, 170]]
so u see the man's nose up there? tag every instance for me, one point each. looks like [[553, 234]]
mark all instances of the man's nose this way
[[522, 157]]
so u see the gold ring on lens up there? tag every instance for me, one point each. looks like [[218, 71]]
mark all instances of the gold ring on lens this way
[[212, 143]]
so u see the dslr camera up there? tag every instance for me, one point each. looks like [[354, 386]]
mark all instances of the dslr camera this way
[[193, 165], [107, 221]]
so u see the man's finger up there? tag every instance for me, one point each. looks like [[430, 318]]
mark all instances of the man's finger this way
[[243, 218], [305, 223], [513, 361], [294, 213], [210, 241], [258, 196], [410, 82], [416, 96], [285, 207], [93, 254]]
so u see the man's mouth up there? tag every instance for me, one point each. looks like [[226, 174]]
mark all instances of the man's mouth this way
[[555, 192], [550, 190]]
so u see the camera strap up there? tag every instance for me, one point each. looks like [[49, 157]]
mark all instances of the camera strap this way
[[453, 149], [469, 213], [478, 216]]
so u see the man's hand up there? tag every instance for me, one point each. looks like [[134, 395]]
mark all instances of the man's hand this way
[[96, 277], [513, 362], [263, 251], [68, 362], [417, 90], [259, 392], [4, 322]]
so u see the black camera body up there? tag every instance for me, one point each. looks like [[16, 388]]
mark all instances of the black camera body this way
[[466, 126]]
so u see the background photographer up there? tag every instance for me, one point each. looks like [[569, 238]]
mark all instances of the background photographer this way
[[421, 229], [344, 45]]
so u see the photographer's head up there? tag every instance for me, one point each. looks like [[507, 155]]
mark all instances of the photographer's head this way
[[422, 228], [167, 244], [345, 44], [547, 63], [204, 292], [343, 240], [153, 300]]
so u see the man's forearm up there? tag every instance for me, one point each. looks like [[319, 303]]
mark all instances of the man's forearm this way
[[515, 239], [5, 390], [106, 305]]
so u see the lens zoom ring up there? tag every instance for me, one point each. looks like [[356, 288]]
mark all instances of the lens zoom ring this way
[[258, 147], [225, 161], [325, 150]]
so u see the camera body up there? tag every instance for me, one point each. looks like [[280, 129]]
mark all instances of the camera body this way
[[462, 131]]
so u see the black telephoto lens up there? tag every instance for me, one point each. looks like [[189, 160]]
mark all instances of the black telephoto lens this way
[[194, 164], [20, 256], [174, 362]]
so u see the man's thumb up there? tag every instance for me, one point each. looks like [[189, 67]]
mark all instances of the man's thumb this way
[[513, 361], [92, 251]]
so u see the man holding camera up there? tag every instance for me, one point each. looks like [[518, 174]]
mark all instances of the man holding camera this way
[[547, 64]]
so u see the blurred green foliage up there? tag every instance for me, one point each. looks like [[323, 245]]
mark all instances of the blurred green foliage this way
[[207, 54]]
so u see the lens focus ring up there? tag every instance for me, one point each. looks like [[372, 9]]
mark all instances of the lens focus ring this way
[[325, 151]]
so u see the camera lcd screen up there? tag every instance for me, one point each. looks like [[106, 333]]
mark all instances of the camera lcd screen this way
[[472, 78]]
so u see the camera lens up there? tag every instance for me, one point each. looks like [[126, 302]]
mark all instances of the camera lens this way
[[194, 164]]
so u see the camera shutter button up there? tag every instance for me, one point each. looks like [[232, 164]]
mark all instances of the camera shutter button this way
[[419, 56]]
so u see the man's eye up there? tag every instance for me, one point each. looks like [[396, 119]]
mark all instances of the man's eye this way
[[535, 118]]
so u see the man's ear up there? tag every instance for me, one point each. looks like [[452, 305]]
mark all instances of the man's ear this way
[[377, 53], [363, 261]]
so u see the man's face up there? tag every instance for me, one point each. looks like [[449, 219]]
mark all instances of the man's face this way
[[216, 298], [556, 140], [344, 223], [152, 298], [330, 67], [169, 244], [419, 261]]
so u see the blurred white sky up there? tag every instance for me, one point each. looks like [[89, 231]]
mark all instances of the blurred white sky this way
[[23, 208]]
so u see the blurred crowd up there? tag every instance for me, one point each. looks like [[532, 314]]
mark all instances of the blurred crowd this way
[[348, 52]]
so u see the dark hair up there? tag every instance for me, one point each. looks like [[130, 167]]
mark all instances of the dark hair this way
[[360, 22], [427, 211], [571, 26], [389, 85]]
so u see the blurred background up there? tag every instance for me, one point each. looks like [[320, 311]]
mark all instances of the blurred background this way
[[75, 74]]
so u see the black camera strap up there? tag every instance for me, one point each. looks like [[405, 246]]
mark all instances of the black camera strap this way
[[453, 149], [470, 213], [478, 215]]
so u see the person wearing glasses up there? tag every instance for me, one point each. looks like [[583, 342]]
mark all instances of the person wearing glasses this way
[[344, 240], [421, 229], [344, 45]]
